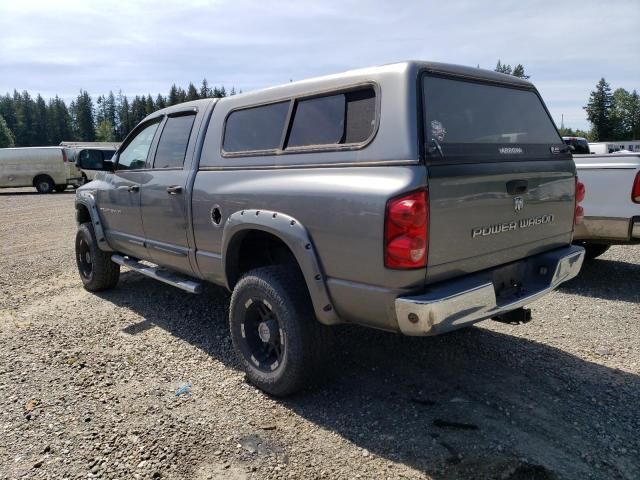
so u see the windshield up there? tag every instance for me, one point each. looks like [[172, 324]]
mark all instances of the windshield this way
[[465, 112]]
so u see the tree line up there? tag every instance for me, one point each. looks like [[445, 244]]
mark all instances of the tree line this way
[[26, 121]]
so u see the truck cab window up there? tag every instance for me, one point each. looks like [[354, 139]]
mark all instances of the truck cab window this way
[[257, 128], [134, 155], [344, 118], [173, 142]]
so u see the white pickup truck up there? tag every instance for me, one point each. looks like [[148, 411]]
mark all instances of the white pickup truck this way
[[612, 201]]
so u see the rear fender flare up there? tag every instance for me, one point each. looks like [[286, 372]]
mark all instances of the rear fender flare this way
[[297, 238]]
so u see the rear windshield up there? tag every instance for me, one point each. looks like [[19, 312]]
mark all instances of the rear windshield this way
[[580, 147], [463, 112]]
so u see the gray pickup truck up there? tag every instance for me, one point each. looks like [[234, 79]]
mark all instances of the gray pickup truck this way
[[416, 198]]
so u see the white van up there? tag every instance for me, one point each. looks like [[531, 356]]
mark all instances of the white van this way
[[45, 168]]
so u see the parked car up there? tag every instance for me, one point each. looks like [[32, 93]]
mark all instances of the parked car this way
[[612, 203], [45, 168], [416, 198]]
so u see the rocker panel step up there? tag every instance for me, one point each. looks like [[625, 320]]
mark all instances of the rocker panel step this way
[[182, 282]]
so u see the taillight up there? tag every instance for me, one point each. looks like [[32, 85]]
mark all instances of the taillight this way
[[635, 191], [64, 156], [406, 239], [578, 216]]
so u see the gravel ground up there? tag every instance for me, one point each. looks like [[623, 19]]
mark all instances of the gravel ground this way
[[88, 382]]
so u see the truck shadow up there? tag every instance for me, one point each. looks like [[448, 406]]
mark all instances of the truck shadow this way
[[606, 279], [471, 404]]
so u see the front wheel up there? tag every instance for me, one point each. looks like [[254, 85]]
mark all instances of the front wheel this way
[[274, 331], [96, 269]]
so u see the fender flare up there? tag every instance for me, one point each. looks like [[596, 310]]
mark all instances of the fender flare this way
[[293, 234], [87, 200]]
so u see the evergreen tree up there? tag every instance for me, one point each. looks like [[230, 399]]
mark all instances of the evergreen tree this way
[[104, 132], [503, 68], [6, 136], [161, 102], [599, 110], [149, 106], [518, 71], [219, 92], [138, 110], [25, 113], [205, 91], [124, 123], [173, 96], [182, 95], [40, 123], [110, 109], [83, 117], [8, 112], [634, 113], [232, 92], [192, 92], [59, 122], [106, 112]]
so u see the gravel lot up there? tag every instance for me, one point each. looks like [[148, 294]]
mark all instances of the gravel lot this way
[[88, 382]]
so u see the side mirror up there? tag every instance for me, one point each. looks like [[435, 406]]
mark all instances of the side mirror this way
[[572, 148], [94, 160], [108, 166]]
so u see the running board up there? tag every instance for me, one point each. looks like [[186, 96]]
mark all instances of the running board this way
[[181, 281]]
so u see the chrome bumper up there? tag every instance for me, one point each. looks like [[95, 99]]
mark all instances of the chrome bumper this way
[[461, 302], [635, 228], [615, 230]]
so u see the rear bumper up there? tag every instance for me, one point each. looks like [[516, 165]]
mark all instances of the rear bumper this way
[[461, 302], [603, 229]]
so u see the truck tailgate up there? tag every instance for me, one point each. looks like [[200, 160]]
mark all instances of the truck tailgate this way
[[476, 223]]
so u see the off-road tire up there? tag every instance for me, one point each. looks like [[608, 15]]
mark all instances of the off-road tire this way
[[60, 188], [284, 290], [103, 273], [593, 250], [43, 184]]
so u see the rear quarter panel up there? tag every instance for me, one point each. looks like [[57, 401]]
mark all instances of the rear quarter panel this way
[[342, 209], [608, 180]]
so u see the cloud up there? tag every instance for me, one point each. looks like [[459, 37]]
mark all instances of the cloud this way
[[144, 46]]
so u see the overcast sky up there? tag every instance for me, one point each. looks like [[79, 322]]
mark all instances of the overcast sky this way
[[139, 47]]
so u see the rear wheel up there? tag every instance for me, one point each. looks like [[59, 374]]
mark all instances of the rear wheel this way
[[60, 188], [44, 184], [275, 334], [96, 269]]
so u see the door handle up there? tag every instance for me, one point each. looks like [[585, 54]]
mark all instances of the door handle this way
[[128, 188], [174, 190], [517, 187]]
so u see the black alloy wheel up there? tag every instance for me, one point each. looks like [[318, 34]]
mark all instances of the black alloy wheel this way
[[263, 341]]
